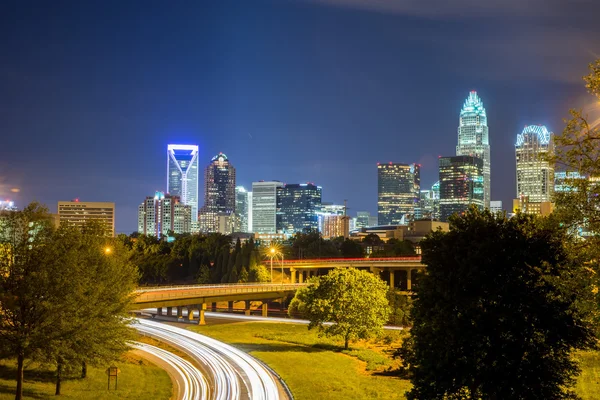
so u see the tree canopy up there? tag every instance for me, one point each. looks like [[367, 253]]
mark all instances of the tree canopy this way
[[354, 301], [499, 311]]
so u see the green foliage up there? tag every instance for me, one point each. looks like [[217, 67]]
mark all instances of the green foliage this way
[[400, 305], [311, 245], [352, 249], [394, 248], [499, 311], [353, 301]]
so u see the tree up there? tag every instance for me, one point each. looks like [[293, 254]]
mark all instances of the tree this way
[[499, 311], [350, 248], [354, 301]]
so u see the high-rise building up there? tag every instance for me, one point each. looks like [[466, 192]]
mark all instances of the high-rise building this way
[[535, 174], [334, 225], [473, 138], [362, 219], [496, 206], [242, 208], [461, 185], [162, 213], [219, 192], [297, 207], [7, 205], [565, 181], [79, 212], [182, 174], [398, 192], [264, 206]]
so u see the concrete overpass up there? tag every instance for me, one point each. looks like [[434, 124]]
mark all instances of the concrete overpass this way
[[196, 297], [398, 272]]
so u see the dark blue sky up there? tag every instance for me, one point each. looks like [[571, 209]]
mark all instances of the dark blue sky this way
[[91, 92]]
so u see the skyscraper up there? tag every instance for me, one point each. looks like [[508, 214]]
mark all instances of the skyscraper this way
[[297, 207], [535, 174], [264, 206], [362, 219], [461, 184], [473, 138], [398, 192], [219, 192], [162, 213], [242, 208], [182, 174]]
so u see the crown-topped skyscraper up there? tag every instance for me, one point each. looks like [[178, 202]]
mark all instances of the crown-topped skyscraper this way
[[473, 138]]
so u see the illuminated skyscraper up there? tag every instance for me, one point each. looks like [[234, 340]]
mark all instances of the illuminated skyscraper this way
[[242, 208], [398, 192], [219, 193], [182, 174], [535, 174], [297, 207], [162, 213], [473, 138], [461, 185], [264, 206]]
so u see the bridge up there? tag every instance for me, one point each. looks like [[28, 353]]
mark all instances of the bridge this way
[[398, 272], [196, 297]]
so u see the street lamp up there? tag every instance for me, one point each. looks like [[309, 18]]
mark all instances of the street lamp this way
[[272, 254], [107, 250]]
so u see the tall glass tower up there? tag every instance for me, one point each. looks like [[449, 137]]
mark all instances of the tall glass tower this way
[[219, 192], [398, 187], [473, 138], [182, 174], [535, 174]]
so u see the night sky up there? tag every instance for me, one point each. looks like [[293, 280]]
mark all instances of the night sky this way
[[91, 92]]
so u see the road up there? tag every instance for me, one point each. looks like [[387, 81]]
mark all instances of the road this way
[[232, 373], [190, 383]]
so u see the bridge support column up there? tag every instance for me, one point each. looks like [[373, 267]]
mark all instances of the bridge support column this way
[[158, 310], [265, 310], [201, 310], [213, 307], [169, 311], [179, 312], [392, 281], [408, 280], [246, 307], [292, 275], [190, 311], [230, 306], [300, 276]]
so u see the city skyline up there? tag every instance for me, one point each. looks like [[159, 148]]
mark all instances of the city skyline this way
[[289, 90]]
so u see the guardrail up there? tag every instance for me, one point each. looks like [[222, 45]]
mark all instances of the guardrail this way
[[238, 287], [352, 260]]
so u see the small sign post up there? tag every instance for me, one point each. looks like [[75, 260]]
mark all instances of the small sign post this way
[[112, 372]]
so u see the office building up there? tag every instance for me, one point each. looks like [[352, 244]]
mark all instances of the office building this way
[[566, 181], [219, 193], [334, 225], [78, 213], [264, 207], [398, 192], [163, 213], [297, 207], [473, 138], [535, 174], [461, 185], [182, 174], [7, 205], [429, 203], [242, 208], [496, 206], [362, 219]]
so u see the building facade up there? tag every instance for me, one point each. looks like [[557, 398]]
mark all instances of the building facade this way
[[78, 213], [162, 213], [219, 193], [535, 174], [264, 207], [297, 207], [473, 138], [242, 208], [334, 225], [399, 188], [362, 219], [496, 206], [182, 174], [461, 185]]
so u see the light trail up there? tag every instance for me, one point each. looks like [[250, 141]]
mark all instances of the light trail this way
[[228, 367], [195, 386]]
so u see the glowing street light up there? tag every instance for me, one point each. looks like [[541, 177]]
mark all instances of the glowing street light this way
[[107, 250]]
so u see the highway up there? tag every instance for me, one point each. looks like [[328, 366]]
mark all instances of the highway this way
[[191, 383], [232, 373]]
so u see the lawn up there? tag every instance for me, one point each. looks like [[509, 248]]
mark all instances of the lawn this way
[[313, 367], [317, 368], [138, 379]]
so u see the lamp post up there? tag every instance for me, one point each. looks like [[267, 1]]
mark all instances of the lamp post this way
[[272, 254]]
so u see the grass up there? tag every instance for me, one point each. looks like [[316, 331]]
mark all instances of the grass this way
[[138, 379], [316, 367]]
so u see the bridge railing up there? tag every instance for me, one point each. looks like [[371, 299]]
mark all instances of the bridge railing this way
[[378, 260], [259, 287]]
